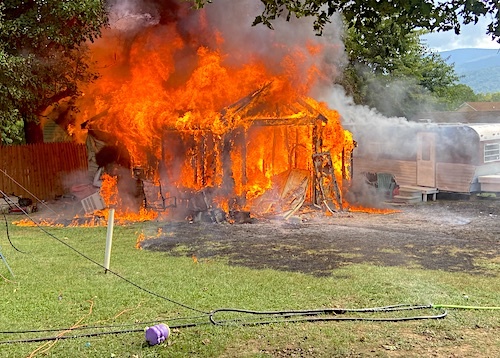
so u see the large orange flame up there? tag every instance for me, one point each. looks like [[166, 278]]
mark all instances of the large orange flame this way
[[177, 101]]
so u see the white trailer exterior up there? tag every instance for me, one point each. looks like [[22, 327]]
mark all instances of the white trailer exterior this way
[[459, 158]]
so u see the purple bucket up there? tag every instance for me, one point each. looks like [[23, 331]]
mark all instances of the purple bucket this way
[[157, 334]]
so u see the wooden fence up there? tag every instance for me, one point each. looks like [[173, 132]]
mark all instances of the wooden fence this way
[[41, 171]]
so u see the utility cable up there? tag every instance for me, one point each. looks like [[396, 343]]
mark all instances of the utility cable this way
[[291, 316], [328, 314], [86, 327], [25, 189], [108, 270], [93, 334]]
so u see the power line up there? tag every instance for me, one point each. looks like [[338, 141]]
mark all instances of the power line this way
[[22, 187], [107, 270]]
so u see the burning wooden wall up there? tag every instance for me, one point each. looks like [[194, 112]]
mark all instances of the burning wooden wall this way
[[242, 163]]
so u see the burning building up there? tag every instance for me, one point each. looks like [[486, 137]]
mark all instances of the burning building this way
[[213, 107]]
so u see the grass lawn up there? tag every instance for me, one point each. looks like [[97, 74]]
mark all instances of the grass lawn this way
[[55, 289]]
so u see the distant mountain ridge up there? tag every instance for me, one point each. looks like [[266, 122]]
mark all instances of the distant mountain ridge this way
[[477, 68]]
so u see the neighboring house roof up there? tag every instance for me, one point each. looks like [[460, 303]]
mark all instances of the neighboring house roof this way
[[458, 117], [479, 107]]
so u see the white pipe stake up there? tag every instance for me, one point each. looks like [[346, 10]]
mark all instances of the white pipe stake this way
[[109, 239]]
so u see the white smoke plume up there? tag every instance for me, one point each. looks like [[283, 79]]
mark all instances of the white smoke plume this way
[[130, 15]]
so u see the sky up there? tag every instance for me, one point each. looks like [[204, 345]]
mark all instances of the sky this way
[[472, 36]]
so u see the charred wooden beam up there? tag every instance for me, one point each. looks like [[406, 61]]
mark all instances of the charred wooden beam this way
[[289, 121], [326, 181], [244, 102], [227, 172]]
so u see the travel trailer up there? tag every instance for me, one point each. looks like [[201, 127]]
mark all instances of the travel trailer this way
[[458, 158]]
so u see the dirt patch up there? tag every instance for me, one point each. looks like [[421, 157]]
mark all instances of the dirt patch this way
[[441, 235]]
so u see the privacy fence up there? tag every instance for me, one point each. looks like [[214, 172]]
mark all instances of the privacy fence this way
[[41, 171]]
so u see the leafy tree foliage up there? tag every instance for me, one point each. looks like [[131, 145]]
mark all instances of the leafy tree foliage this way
[[42, 57], [450, 98], [405, 78], [12, 79], [488, 97], [362, 14]]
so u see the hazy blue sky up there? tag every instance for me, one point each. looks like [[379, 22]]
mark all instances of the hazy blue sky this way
[[472, 36]]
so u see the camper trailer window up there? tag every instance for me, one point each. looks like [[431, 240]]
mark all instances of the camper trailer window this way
[[491, 152]]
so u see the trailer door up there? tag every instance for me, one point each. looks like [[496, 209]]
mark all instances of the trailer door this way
[[426, 159]]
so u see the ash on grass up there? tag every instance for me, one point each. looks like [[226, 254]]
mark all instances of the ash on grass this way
[[451, 236]]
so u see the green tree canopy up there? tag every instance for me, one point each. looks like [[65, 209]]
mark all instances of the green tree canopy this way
[[489, 97], [42, 57], [439, 15], [404, 82]]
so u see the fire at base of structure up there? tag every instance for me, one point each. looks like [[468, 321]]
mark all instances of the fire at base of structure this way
[[269, 156], [253, 164]]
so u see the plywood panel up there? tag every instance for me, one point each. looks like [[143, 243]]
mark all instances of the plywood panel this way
[[426, 159], [405, 172], [454, 177]]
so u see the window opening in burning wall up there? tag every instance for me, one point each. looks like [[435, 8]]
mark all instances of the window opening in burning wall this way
[[491, 152]]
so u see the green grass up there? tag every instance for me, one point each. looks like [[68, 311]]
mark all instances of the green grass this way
[[54, 287]]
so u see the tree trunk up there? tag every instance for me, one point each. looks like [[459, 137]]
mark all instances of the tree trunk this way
[[33, 132]]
